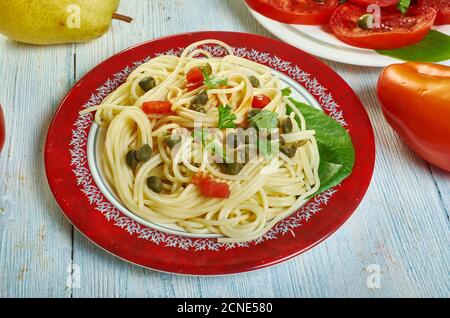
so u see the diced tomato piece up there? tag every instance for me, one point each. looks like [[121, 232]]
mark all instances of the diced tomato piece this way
[[260, 101], [214, 189], [198, 178], [210, 188], [195, 75], [157, 107], [194, 79], [194, 86]]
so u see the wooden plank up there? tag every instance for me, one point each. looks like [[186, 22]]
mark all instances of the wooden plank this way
[[35, 239], [442, 182]]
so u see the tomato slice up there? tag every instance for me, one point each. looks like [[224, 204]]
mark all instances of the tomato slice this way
[[442, 7], [210, 188], [295, 11], [260, 101], [157, 107], [396, 30], [380, 3]]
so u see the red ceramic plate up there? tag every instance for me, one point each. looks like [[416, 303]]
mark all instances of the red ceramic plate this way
[[81, 200]]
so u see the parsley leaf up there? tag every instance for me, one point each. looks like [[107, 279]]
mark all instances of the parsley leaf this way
[[226, 117], [212, 81], [207, 137], [265, 119], [403, 5], [286, 91]]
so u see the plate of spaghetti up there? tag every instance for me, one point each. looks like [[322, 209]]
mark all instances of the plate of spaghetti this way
[[209, 153]]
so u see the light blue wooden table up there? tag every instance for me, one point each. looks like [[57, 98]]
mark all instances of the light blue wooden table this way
[[401, 227]]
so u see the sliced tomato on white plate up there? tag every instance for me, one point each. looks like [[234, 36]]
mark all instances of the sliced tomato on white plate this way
[[296, 11], [443, 10], [380, 3], [395, 30]]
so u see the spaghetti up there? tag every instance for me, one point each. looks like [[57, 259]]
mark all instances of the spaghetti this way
[[165, 168]]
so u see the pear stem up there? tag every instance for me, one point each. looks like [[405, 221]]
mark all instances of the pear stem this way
[[122, 17]]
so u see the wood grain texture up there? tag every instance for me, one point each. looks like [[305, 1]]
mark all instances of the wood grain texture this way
[[402, 225], [35, 238]]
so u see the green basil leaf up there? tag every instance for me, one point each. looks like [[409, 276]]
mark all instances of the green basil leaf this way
[[435, 47], [337, 154]]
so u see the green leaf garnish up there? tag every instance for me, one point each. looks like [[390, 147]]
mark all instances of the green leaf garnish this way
[[265, 119], [226, 117], [435, 47], [213, 82], [286, 91], [403, 5], [337, 154]]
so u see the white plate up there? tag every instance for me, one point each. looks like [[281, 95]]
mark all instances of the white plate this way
[[318, 41]]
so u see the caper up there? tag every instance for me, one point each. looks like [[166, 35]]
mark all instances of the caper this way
[[254, 81], [232, 168], [365, 21], [287, 126], [198, 108], [144, 154], [207, 68], [147, 83], [198, 102], [288, 150], [200, 99], [154, 184], [131, 159], [253, 112], [172, 140]]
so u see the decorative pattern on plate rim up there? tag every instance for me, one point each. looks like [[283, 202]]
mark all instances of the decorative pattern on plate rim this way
[[85, 181]]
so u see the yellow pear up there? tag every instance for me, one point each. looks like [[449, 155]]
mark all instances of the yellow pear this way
[[55, 21]]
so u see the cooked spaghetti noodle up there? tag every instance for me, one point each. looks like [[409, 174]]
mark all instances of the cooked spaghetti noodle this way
[[160, 182]]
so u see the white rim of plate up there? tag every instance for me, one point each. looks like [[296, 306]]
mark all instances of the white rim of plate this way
[[330, 51]]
